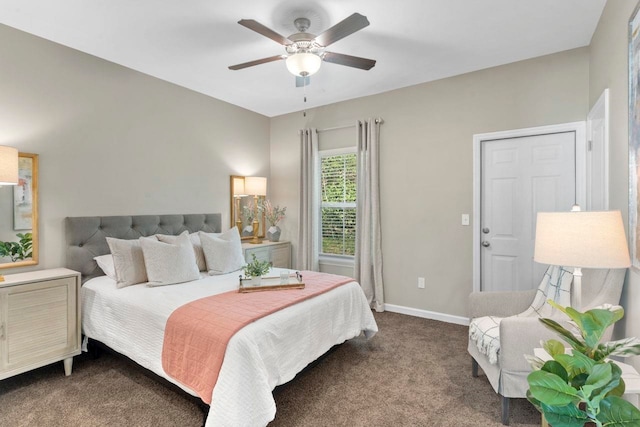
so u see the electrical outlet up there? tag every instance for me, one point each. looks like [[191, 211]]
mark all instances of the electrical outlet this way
[[465, 219], [421, 282]]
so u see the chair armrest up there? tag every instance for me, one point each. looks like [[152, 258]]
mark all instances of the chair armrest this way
[[501, 304], [519, 336]]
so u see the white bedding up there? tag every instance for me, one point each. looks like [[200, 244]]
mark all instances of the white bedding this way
[[264, 354]]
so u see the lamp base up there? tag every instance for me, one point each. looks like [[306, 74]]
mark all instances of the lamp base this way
[[256, 240]]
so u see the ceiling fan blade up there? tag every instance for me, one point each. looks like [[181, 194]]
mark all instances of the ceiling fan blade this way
[[265, 31], [302, 81], [349, 61], [256, 62], [342, 29]]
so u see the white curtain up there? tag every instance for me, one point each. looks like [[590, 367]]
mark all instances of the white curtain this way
[[307, 254], [368, 254]]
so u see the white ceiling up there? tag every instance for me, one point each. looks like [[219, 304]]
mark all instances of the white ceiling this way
[[191, 43]]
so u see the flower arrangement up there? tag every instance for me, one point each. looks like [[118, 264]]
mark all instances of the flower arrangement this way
[[274, 214], [248, 212]]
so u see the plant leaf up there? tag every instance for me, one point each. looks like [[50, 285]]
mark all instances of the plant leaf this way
[[553, 347], [617, 412], [535, 362], [564, 334], [565, 416], [556, 368], [550, 389], [623, 347]]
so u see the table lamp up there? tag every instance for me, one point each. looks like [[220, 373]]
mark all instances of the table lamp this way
[[581, 240]]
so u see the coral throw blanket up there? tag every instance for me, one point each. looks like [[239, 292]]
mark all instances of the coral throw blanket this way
[[196, 334]]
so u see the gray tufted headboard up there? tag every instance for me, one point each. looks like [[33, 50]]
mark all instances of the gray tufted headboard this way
[[86, 236]]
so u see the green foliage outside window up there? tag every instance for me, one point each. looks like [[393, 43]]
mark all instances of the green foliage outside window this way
[[338, 204]]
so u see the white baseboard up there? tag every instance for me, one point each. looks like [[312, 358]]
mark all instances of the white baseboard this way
[[458, 320]]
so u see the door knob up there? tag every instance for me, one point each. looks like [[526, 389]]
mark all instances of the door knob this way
[[486, 244], [486, 230]]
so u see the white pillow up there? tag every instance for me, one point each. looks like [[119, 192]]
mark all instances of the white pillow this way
[[128, 261], [223, 252], [195, 241], [168, 263], [105, 262]]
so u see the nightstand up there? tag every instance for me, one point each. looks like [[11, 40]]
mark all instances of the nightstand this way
[[277, 253], [39, 320]]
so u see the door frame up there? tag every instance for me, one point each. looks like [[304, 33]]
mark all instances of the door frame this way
[[581, 196]]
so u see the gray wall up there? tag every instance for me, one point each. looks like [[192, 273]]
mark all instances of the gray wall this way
[[426, 163], [114, 141], [608, 69]]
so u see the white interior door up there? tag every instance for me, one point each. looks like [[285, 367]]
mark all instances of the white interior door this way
[[519, 177]]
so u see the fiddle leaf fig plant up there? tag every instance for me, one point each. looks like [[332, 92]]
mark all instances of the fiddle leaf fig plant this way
[[583, 387], [20, 250]]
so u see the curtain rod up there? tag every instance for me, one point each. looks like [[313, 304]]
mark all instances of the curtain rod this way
[[378, 120]]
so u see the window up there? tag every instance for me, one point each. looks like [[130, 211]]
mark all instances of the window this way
[[338, 170]]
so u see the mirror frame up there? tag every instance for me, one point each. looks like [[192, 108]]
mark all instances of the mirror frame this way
[[34, 229], [261, 219]]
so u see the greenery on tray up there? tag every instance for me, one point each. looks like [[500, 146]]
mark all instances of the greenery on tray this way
[[572, 390], [19, 250], [256, 268], [273, 214]]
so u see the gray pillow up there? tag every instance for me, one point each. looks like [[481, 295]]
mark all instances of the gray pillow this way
[[195, 241], [223, 252], [128, 261], [168, 263]]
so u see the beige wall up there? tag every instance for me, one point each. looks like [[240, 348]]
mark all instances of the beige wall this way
[[114, 141], [608, 69], [426, 163]]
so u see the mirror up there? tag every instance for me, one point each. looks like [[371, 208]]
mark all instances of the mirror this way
[[243, 210], [19, 216]]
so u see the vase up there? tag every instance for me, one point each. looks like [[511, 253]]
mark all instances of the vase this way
[[273, 233], [247, 231], [256, 281]]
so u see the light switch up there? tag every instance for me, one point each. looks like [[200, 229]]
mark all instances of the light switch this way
[[465, 219]]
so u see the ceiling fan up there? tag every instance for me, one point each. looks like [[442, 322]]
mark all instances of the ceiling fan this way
[[306, 51]]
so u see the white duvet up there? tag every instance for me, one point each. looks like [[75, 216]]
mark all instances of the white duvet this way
[[264, 354]]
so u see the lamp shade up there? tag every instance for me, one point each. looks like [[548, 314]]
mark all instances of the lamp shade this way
[[8, 165], [303, 64], [255, 185], [581, 239], [238, 187]]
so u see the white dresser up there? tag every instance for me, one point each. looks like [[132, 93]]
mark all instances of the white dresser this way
[[39, 320], [277, 253]]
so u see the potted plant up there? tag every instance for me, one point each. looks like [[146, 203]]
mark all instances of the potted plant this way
[[583, 388], [256, 269], [20, 250], [273, 214]]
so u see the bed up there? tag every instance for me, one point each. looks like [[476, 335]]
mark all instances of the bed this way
[[262, 355]]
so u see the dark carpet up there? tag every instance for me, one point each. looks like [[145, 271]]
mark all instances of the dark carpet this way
[[414, 372]]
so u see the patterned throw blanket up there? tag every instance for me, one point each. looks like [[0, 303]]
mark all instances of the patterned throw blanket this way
[[197, 333], [555, 286]]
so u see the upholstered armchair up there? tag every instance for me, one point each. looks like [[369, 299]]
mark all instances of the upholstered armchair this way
[[520, 335]]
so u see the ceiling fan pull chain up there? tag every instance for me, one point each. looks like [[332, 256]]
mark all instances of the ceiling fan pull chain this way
[[304, 88]]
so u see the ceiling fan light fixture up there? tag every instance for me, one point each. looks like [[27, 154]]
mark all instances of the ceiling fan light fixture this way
[[303, 64]]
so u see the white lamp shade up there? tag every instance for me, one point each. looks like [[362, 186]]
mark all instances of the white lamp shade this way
[[238, 187], [303, 64], [581, 239], [8, 165], [255, 185]]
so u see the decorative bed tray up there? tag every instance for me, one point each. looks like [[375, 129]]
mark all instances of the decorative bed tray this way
[[271, 283]]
